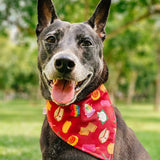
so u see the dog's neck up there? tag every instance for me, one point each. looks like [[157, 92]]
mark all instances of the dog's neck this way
[[89, 125]]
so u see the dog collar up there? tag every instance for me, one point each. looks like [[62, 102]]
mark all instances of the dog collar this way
[[89, 125]]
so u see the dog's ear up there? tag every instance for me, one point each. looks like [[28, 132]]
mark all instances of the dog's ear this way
[[46, 14], [99, 18]]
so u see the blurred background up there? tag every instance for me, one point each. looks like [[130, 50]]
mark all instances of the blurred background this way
[[132, 53]]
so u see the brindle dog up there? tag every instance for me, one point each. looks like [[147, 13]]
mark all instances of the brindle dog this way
[[73, 52]]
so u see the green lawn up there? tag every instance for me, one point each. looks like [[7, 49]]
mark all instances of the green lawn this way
[[21, 121]]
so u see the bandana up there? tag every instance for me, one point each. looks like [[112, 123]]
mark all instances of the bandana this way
[[89, 125]]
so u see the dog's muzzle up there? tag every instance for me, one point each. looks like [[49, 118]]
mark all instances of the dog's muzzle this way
[[66, 78]]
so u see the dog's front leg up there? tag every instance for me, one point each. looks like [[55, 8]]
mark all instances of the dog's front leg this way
[[50, 144], [48, 153], [44, 139]]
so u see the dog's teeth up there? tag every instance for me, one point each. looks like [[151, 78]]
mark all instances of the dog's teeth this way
[[51, 84]]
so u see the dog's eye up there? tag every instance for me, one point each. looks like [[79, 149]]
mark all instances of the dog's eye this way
[[51, 39], [86, 43]]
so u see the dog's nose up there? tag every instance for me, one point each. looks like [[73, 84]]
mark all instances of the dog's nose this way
[[64, 65]]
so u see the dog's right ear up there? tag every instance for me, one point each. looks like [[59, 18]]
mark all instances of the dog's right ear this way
[[46, 14]]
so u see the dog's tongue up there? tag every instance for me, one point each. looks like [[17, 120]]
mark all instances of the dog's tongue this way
[[63, 91]]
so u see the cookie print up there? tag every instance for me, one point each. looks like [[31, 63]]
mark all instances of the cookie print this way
[[86, 130], [102, 88], [89, 147], [95, 95], [66, 126], [89, 111], [102, 116], [48, 106], [58, 114], [105, 103], [72, 140], [75, 110], [110, 148], [104, 135]]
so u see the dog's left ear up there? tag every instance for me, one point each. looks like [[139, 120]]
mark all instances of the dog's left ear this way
[[99, 18], [46, 14]]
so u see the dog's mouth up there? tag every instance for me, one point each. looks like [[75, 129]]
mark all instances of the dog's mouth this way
[[64, 92]]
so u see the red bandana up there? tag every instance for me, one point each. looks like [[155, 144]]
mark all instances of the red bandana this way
[[89, 125]]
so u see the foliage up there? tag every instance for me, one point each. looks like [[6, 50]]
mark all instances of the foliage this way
[[19, 136], [131, 51], [17, 66], [130, 46]]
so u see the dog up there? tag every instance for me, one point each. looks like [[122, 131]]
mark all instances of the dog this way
[[71, 66]]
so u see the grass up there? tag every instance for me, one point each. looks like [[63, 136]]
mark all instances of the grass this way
[[21, 122], [146, 124]]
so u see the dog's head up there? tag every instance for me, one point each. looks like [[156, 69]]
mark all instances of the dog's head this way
[[70, 59]]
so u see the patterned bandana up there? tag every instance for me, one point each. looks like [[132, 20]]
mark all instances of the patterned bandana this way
[[89, 125]]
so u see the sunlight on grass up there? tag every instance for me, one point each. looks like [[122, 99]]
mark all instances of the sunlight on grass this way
[[21, 123], [146, 124], [20, 130], [141, 117]]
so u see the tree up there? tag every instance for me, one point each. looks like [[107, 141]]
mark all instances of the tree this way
[[132, 19], [129, 48]]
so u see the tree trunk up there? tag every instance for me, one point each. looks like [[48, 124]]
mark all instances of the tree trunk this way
[[131, 88], [115, 72], [86, 13], [157, 94]]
